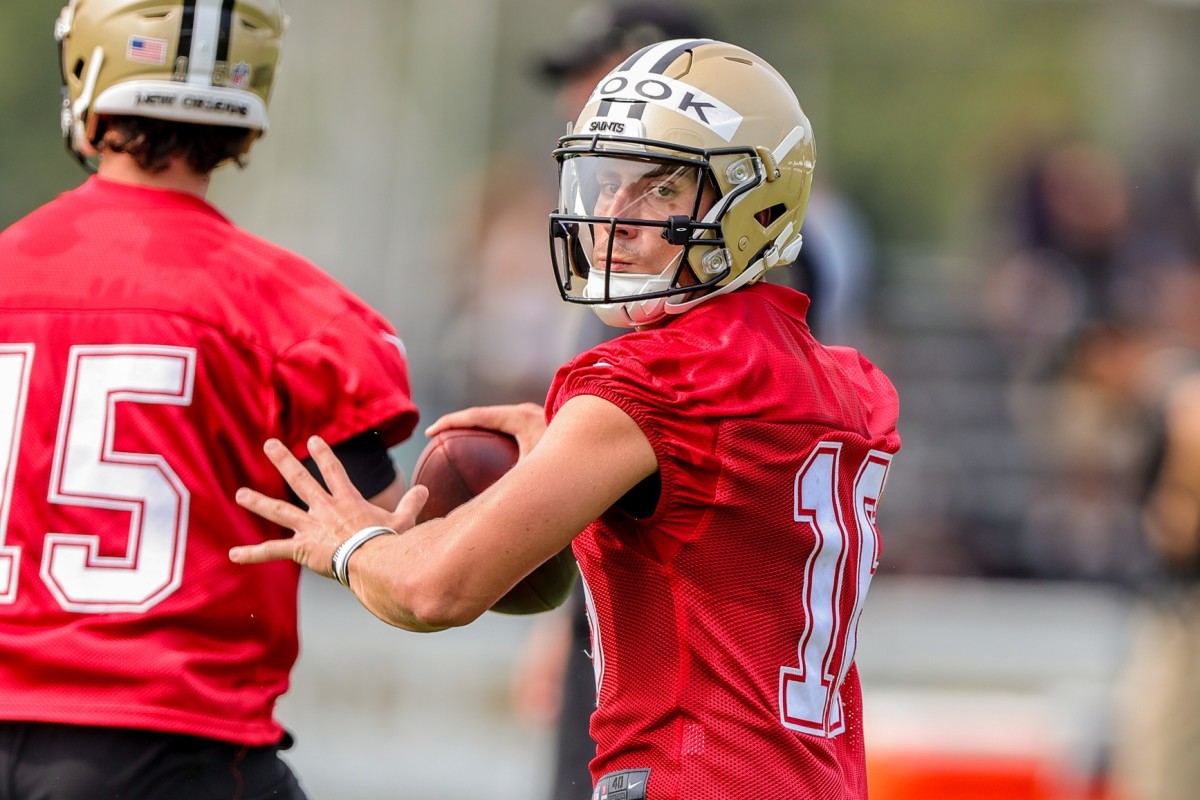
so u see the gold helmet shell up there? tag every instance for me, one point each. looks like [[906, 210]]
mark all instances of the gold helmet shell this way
[[210, 62], [731, 114]]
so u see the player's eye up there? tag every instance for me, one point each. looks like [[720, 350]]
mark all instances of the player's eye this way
[[608, 184], [664, 191]]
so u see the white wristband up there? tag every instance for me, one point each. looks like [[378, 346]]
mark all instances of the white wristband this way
[[341, 556]]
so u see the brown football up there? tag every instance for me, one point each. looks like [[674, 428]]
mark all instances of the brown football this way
[[458, 464]]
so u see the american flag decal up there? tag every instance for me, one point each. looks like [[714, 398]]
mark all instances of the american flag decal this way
[[146, 50]]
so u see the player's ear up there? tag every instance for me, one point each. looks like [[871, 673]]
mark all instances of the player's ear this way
[[764, 217]]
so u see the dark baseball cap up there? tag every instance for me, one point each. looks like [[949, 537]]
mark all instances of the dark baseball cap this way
[[599, 29]]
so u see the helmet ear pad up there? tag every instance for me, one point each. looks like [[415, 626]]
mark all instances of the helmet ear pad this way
[[768, 215], [772, 220], [767, 219]]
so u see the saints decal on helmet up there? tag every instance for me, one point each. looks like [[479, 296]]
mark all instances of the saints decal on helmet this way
[[698, 142], [209, 62]]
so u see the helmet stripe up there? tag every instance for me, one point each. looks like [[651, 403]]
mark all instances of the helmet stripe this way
[[223, 33], [669, 57], [205, 36], [654, 59], [627, 63], [185, 32], [633, 110]]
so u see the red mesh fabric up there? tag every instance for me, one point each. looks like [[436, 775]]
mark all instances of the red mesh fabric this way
[[721, 623]]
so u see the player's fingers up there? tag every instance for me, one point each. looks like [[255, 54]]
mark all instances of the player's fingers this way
[[510, 419], [409, 507], [297, 476], [465, 418], [270, 508], [331, 468], [273, 550]]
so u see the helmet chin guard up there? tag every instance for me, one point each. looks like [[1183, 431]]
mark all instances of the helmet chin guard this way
[[631, 313]]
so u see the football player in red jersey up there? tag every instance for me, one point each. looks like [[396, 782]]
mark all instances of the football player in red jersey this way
[[717, 468], [146, 345]]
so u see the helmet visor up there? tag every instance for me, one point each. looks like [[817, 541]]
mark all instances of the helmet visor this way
[[624, 219], [628, 188]]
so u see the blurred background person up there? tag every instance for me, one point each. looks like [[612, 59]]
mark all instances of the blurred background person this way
[[1079, 255], [1158, 721], [1073, 307], [507, 335], [599, 36]]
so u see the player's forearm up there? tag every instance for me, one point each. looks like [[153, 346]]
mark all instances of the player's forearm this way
[[415, 581]]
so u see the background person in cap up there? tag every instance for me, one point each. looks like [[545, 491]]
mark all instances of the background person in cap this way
[[601, 35]]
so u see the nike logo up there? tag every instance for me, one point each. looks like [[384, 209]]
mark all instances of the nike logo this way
[[635, 785]]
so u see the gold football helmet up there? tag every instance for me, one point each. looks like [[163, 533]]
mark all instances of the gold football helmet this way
[[210, 62], [700, 142]]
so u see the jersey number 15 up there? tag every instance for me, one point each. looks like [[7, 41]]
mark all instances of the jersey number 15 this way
[[89, 472]]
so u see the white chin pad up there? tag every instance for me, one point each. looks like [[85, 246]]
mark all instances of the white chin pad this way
[[626, 313], [632, 314]]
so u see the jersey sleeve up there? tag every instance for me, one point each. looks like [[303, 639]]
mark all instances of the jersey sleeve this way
[[349, 377], [681, 435]]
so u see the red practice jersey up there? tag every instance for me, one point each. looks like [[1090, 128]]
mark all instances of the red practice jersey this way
[[148, 347], [724, 622]]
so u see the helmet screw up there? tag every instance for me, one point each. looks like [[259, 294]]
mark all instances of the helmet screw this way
[[714, 262], [739, 172]]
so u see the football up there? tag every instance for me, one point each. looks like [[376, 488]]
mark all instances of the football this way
[[458, 464]]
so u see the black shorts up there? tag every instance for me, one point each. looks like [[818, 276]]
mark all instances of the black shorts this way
[[40, 761]]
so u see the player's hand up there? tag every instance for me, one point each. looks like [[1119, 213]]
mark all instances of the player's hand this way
[[332, 516], [525, 422]]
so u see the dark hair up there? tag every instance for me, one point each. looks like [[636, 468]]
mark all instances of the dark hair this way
[[153, 142]]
